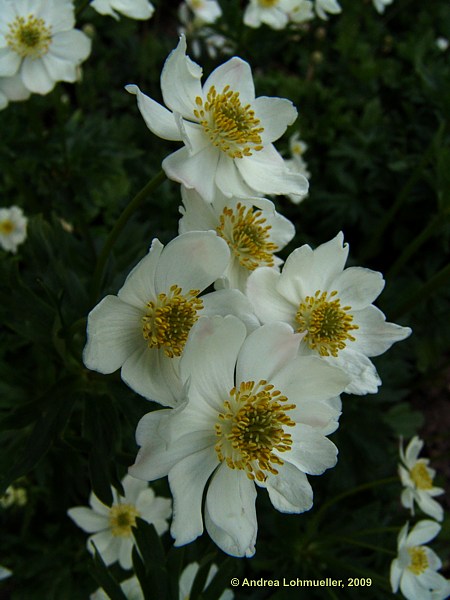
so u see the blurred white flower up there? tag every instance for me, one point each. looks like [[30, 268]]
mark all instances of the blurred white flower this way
[[297, 163], [331, 306], [227, 132], [380, 5], [255, 413], [442, 43], [417, 477], [13, 228], [143, 330], [415, 568], [130, 587], [205, 11], [302, 12], [274, 13], [39, 43], [251, 227], [112, 525], [4, 573], [323, 7], [187, 579], [12, 89], [134, 9]]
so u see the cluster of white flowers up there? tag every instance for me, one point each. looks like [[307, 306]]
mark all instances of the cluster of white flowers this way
[[38, 47], [13, 228], [250, 373], [277, 14], [414, 571]]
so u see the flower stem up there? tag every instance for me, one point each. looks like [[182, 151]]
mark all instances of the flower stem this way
[[423, 292], [353, 542], [135, 203]]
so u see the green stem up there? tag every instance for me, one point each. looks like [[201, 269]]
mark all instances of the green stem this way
[[373, 244], [437, 221], [135, 203], [353, 542], [428, 289]]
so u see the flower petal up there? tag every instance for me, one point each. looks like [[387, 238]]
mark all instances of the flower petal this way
[[228, 178], [187, 481], [359, 368], [139, 286], [275, 114], [358, 287], [311, 451], [73, 46], [9, 62], [290, 491], [157, 118], [237, 74], [422, 532], [375, 335], [36, 77], [268, 303], [87, 519]]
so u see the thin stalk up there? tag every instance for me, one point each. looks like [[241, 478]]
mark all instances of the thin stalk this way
[[436, 222], [353, 542], [135, 203], [373, 244], [428, 289]]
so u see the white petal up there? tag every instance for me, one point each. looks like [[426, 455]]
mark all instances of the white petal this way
[[358, 287], [9, 62], [311, 451], [411, 588], [412, 451], [395, 574], [107, 546], [430, 507], [180, 81], [73, 46], [359, 368], [60, 69], [125, 549], [275, 114], [197, 171], [114, 333], [290, 491], [235, 73], [139, 286], [36, 77], [230, 514], [187, 481], [198, 215], [192, 260], [138, 9], [423, 532], [87, 519], [230, 302], [210, 356], [157, 118], [375, 335], [133, 487], [268, 303], [265, 351], [149, 372], [228, 178], [266, 172]]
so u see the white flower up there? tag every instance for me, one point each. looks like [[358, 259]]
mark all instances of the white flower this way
[[112, 526], [442, 43], [13, 228], [297, 163], [302, 12], [274, 13], [327, 6], [417, 477], [227, 133], [39, 43], [135, 9], [414, 569], [251, 227], [130, 587], [144, 328], [187, 579], [380, 5], [255, 413], [205, 11], [4, 573], [12, 89], [331, 306]]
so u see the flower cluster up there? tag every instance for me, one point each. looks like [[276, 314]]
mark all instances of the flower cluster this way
[[414, 570], [38, 47], [250, 373]]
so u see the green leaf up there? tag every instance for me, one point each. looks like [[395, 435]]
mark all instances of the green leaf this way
[[104, 578]]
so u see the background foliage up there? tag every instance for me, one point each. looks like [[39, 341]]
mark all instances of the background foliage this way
[[373, 94]]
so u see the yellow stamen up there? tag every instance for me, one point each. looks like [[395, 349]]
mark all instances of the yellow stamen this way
[[6, 227], [251, 428], [169, 319], [248, 236], [29, 37], [421, 476], [230, 126], [122, 517], [268, 3], [419, 561], [327, 323]]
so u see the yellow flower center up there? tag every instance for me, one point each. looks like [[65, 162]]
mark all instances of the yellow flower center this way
[[248, 236], [6, 227], [230, 126], [169, 319], [251, 428], [327, 323], [419, 560], [122, 517], [268, 3], [197, 4], [29, 37], [421, 477]]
